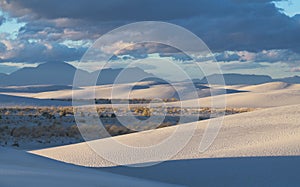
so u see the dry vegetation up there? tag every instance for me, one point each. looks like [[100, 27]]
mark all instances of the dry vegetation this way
[[44, 126]]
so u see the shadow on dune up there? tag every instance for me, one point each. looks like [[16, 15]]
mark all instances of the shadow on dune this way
[[245, 171], [9, 100], [36, 88], [215, 92]]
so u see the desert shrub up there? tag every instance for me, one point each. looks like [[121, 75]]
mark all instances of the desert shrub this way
[[21, 131], [173, 110], [63, 111], [48, 128], [144, 111], [48, 115], [117, 130], [3, 129], [15, 144], [73, 131]]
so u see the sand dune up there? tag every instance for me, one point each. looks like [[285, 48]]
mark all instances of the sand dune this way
[[10, 100], [147, 89], [246, 171], [265, 132], [269, 87], [259, 148], [256, 96], [22, 169], [249, 100], [104, 91]]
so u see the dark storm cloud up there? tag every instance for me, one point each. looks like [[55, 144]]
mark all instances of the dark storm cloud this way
[[120, 10], [148, 48], [225, 25], [142, 50], [62, 29], [2, 47], [2, 20]]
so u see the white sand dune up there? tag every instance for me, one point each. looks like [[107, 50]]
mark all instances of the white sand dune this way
[[256, 96], [146, 89], [269, 87], [10, 100], [265, 132], [246, 171], [21, 169], [258, 148], [104, 91]]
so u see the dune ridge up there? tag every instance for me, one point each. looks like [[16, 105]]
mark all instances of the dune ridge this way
[[258, 133]]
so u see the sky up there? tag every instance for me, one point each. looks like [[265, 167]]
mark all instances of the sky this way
[[245, 36]]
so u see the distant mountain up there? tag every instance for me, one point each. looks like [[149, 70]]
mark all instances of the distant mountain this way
[[119, 75], [61, 73], [47, 73], [2, 75], [293, 80], [235, 79]]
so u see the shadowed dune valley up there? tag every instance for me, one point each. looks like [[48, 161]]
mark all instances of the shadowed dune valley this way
[[147, 93]]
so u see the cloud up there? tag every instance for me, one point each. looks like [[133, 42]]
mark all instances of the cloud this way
[[227, 56], [113, 10], [62, 29], [235, 30], [295, 69], [142, 50], [2, 20], [250, 32], [270, 56], [2, 47], [22, 51], [251, 25], [296, 18]]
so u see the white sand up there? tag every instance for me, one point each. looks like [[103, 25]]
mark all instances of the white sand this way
[[256, 96], [265, 132], [19, 168], [259, 148]]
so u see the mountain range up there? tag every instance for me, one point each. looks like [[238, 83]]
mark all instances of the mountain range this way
[[236, 79], [248, 79], [60, 73], [63, 74]]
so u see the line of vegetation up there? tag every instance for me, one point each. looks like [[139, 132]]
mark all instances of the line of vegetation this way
[[45, 125]]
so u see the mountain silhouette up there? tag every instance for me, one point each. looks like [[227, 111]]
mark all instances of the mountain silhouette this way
[[293, 80], [60, 73], [236, 79]]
